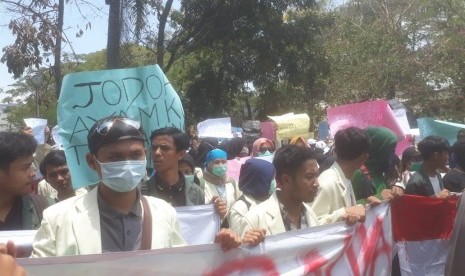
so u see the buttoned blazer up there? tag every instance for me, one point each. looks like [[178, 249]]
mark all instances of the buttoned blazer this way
[[267, 215], [332, 197], [72, 227]]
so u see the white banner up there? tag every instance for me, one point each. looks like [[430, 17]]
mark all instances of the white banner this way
[[38, 126], [199, 224], [218, 128], [336, 249], [57, 138]]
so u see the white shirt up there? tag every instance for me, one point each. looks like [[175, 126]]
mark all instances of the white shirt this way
[[435, 182]]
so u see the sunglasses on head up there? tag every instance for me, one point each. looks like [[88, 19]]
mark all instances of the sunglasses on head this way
[[265, 149], [105, 126]]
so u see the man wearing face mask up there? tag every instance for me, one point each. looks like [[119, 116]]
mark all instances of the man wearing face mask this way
[[114, 216]]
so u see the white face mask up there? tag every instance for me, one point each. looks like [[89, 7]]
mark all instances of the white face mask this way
[[189, 178], [123, 176]]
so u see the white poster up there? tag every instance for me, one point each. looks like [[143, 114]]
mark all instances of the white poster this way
[[38, 126], [218, 128]]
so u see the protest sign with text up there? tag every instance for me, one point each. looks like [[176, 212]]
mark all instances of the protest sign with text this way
[[336, 249], [363, 115], [290, 125], [448, 130], [143, 94]]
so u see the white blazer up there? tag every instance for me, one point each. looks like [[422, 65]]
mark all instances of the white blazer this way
[[267, 215], [232, 192], [237, 213], [72, 227], [334, 195]]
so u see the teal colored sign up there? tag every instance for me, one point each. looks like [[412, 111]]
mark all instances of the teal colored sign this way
[[143, 94], [448, 130]]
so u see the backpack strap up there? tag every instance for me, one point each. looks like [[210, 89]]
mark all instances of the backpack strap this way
[[247, 203], [146, 240]]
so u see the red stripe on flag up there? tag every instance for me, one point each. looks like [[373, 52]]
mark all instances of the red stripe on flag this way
[[419, 218]]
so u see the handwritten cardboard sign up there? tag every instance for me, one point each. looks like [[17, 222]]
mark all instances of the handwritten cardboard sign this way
[[448, 130], [363, 115], [290, 125], [143, 94]]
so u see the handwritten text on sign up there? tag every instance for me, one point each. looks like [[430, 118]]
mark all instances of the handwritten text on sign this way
[[143, 94], [363, 115]]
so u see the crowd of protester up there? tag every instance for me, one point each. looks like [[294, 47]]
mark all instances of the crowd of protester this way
[[256, 187]]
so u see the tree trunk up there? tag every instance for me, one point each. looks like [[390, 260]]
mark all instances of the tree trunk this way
[[114, 34], [161, 33], [57, 50]]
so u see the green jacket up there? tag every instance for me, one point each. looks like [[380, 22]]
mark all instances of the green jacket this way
[[32, 207], [194, 194]]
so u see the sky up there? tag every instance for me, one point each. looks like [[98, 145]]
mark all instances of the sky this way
[[92, 40]]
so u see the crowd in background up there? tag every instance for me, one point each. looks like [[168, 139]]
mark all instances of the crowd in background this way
[[256, 188]]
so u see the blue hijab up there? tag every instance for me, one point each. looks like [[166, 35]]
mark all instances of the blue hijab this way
[[215, 154], [255, 178]]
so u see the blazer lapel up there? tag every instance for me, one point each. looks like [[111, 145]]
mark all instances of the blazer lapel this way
[[211, 190], [274, 218], [86, 224], [344, 191]]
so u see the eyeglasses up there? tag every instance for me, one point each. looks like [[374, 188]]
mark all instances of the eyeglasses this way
[[265, 149], [105, 127]]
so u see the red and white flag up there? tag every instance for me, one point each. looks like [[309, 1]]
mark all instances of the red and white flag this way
[[422, 228]]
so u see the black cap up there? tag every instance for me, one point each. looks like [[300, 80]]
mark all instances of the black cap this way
[[111, 129]]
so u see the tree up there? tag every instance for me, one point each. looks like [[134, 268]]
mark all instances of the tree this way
[[38, 27], [411, 50], [246, 49]]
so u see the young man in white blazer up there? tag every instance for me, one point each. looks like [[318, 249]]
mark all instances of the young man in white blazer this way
[[114, 216], [288, 209], [335, 200]]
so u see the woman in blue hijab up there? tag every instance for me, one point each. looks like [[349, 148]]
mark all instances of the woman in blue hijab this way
[[218, 186], [255, 183]]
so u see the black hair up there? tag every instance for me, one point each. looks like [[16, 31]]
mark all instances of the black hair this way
[[289, 158], [205, 146], [188, 160], [233, 147], [13, 146], [459, 151], [461, 134], [53, 158], [432, 144], [180, 139], [351, 142]]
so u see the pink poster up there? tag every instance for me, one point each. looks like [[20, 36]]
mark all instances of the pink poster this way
[[363, 115], [234, 167], [268, 130]]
